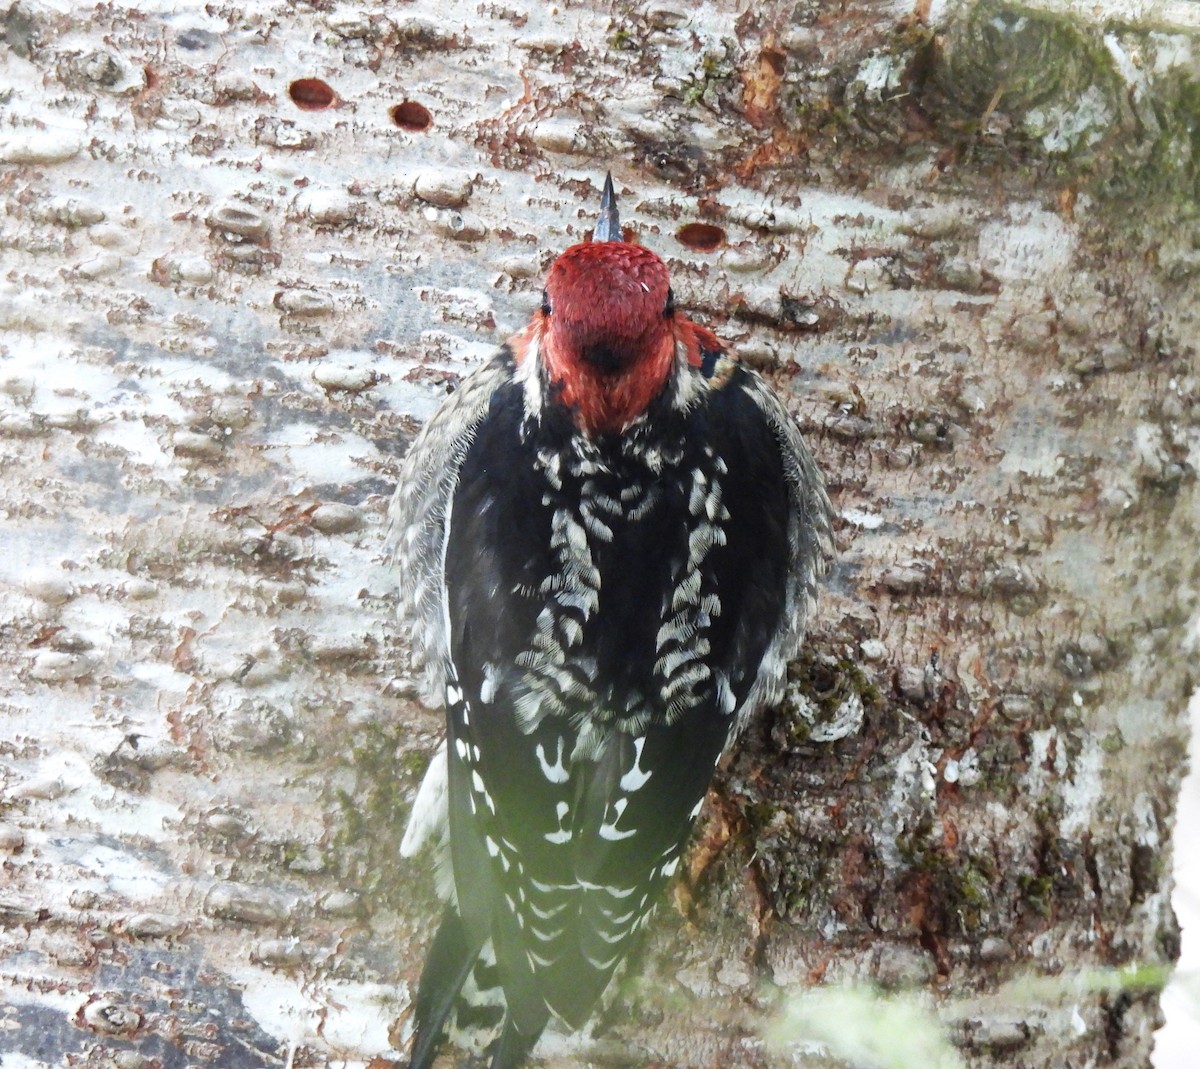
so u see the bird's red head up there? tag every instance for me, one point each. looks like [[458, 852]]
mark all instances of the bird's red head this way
[[605, 332]]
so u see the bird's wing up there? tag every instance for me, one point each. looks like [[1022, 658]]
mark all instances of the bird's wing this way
[[599, 664], [417, 514], [811, 546]]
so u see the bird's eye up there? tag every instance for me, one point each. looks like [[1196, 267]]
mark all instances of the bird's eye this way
[[669, 307], [545, 303]]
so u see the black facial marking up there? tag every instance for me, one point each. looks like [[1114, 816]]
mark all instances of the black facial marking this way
[[602, 358]]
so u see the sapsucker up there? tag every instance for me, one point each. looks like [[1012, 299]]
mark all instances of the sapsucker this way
[[608, 541]]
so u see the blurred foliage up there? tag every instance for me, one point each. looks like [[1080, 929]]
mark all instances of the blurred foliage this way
[[865, 1028], [860, 1026]]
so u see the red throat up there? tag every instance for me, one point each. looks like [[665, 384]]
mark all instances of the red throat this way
[[608, 340], [607, 402]]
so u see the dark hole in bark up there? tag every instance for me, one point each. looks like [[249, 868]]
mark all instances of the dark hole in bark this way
[[411, 116], [703, 237], [311, 94]]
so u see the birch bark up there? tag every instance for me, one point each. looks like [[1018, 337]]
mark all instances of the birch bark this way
[[247, 248]]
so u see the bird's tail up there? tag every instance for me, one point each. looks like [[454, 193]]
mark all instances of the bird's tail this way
[[460, 998], [511, 1046]]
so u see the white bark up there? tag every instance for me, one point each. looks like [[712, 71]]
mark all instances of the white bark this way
[[223, 316]]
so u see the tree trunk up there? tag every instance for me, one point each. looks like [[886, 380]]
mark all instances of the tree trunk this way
[[245, 252]]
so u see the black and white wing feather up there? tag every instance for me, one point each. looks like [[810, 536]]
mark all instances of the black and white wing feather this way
[[603, 615], [418, 512]]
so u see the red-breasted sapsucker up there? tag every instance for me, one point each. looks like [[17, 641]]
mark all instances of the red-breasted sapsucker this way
[[608, 540]]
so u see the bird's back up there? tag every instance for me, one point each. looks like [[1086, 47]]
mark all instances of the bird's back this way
[[613, 606]]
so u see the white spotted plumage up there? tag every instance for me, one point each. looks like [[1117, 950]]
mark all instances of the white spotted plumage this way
[[602, 595]]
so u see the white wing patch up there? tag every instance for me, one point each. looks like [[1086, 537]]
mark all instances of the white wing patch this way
[[557, 772], [635, 778], [726, 700], [430, 811], [563, 835], [609, 829], [491, 679]]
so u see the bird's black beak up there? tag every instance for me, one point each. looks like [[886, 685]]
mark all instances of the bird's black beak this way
[[608, 226]]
